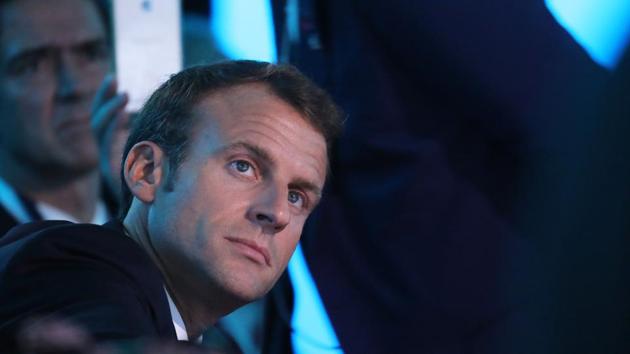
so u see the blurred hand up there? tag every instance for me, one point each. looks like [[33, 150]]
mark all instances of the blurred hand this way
[[56, 335], [110, 124], [51, 335]]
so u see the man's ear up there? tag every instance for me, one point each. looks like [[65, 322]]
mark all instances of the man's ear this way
[[144, 170]]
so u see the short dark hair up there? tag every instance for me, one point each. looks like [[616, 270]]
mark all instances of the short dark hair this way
[[102, 7], [167, 117]]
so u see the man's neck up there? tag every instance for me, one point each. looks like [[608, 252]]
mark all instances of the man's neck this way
[[190, 296], [77, 196]]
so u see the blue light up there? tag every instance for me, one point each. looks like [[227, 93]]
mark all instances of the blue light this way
[[243, 29], [313, 332], [601, 27]]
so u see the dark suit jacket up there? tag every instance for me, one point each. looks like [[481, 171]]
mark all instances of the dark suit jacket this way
[[6, 221], [92, 275]]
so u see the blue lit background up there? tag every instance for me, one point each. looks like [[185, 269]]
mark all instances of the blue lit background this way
[[601, 27], [244, 28]]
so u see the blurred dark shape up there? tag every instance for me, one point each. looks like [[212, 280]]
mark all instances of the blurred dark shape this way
[[587, 255], [465, 203], [197, 7], [53, 335]]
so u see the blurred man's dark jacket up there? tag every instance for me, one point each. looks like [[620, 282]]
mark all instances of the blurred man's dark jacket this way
[[445, 224]]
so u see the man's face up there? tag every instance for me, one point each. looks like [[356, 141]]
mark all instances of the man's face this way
[[253, 173], [53, 57]]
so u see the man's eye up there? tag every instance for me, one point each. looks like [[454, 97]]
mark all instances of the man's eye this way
[[95, 51], [243, 167], [26, 65], [296, 199]]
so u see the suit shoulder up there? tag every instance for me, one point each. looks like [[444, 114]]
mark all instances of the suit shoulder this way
[[92, 274], [46, 234], [78, 247]]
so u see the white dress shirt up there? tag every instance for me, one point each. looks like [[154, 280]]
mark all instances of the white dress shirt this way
[[12, 204]]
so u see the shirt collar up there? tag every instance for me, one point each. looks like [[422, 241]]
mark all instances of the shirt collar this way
[[11, 202], [178, 321], [49, 212]]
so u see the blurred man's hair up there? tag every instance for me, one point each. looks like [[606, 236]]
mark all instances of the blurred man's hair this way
[[102, 7], [167, 120]]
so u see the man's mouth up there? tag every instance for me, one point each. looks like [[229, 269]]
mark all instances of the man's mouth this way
[[258, 253], [74, 125]]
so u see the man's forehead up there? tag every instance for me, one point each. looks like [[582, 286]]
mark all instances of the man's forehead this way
[[244, 99], [243, 103]]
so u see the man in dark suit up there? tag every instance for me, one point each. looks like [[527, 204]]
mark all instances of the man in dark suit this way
[[54, 57], [222, 168]]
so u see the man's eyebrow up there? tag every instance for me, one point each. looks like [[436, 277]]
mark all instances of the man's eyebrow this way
[[51, 48], [30, 52], [307, 186], [91, 43], [257, 151]]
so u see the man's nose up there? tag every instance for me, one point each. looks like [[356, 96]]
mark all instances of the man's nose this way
[[69, 78], [271, 210]]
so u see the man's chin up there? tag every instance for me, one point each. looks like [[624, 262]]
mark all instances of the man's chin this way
[[248, 293], [80, 160], [83, 169], [70, 168], [56, 165]]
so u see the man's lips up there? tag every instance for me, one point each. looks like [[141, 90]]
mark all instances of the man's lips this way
[[77, 124], [253, 246]]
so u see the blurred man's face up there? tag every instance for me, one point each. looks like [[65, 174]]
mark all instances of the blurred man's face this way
[[53, 57], [253, 173]]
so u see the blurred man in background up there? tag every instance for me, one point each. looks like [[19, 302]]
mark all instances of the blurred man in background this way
[[54, 97]]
